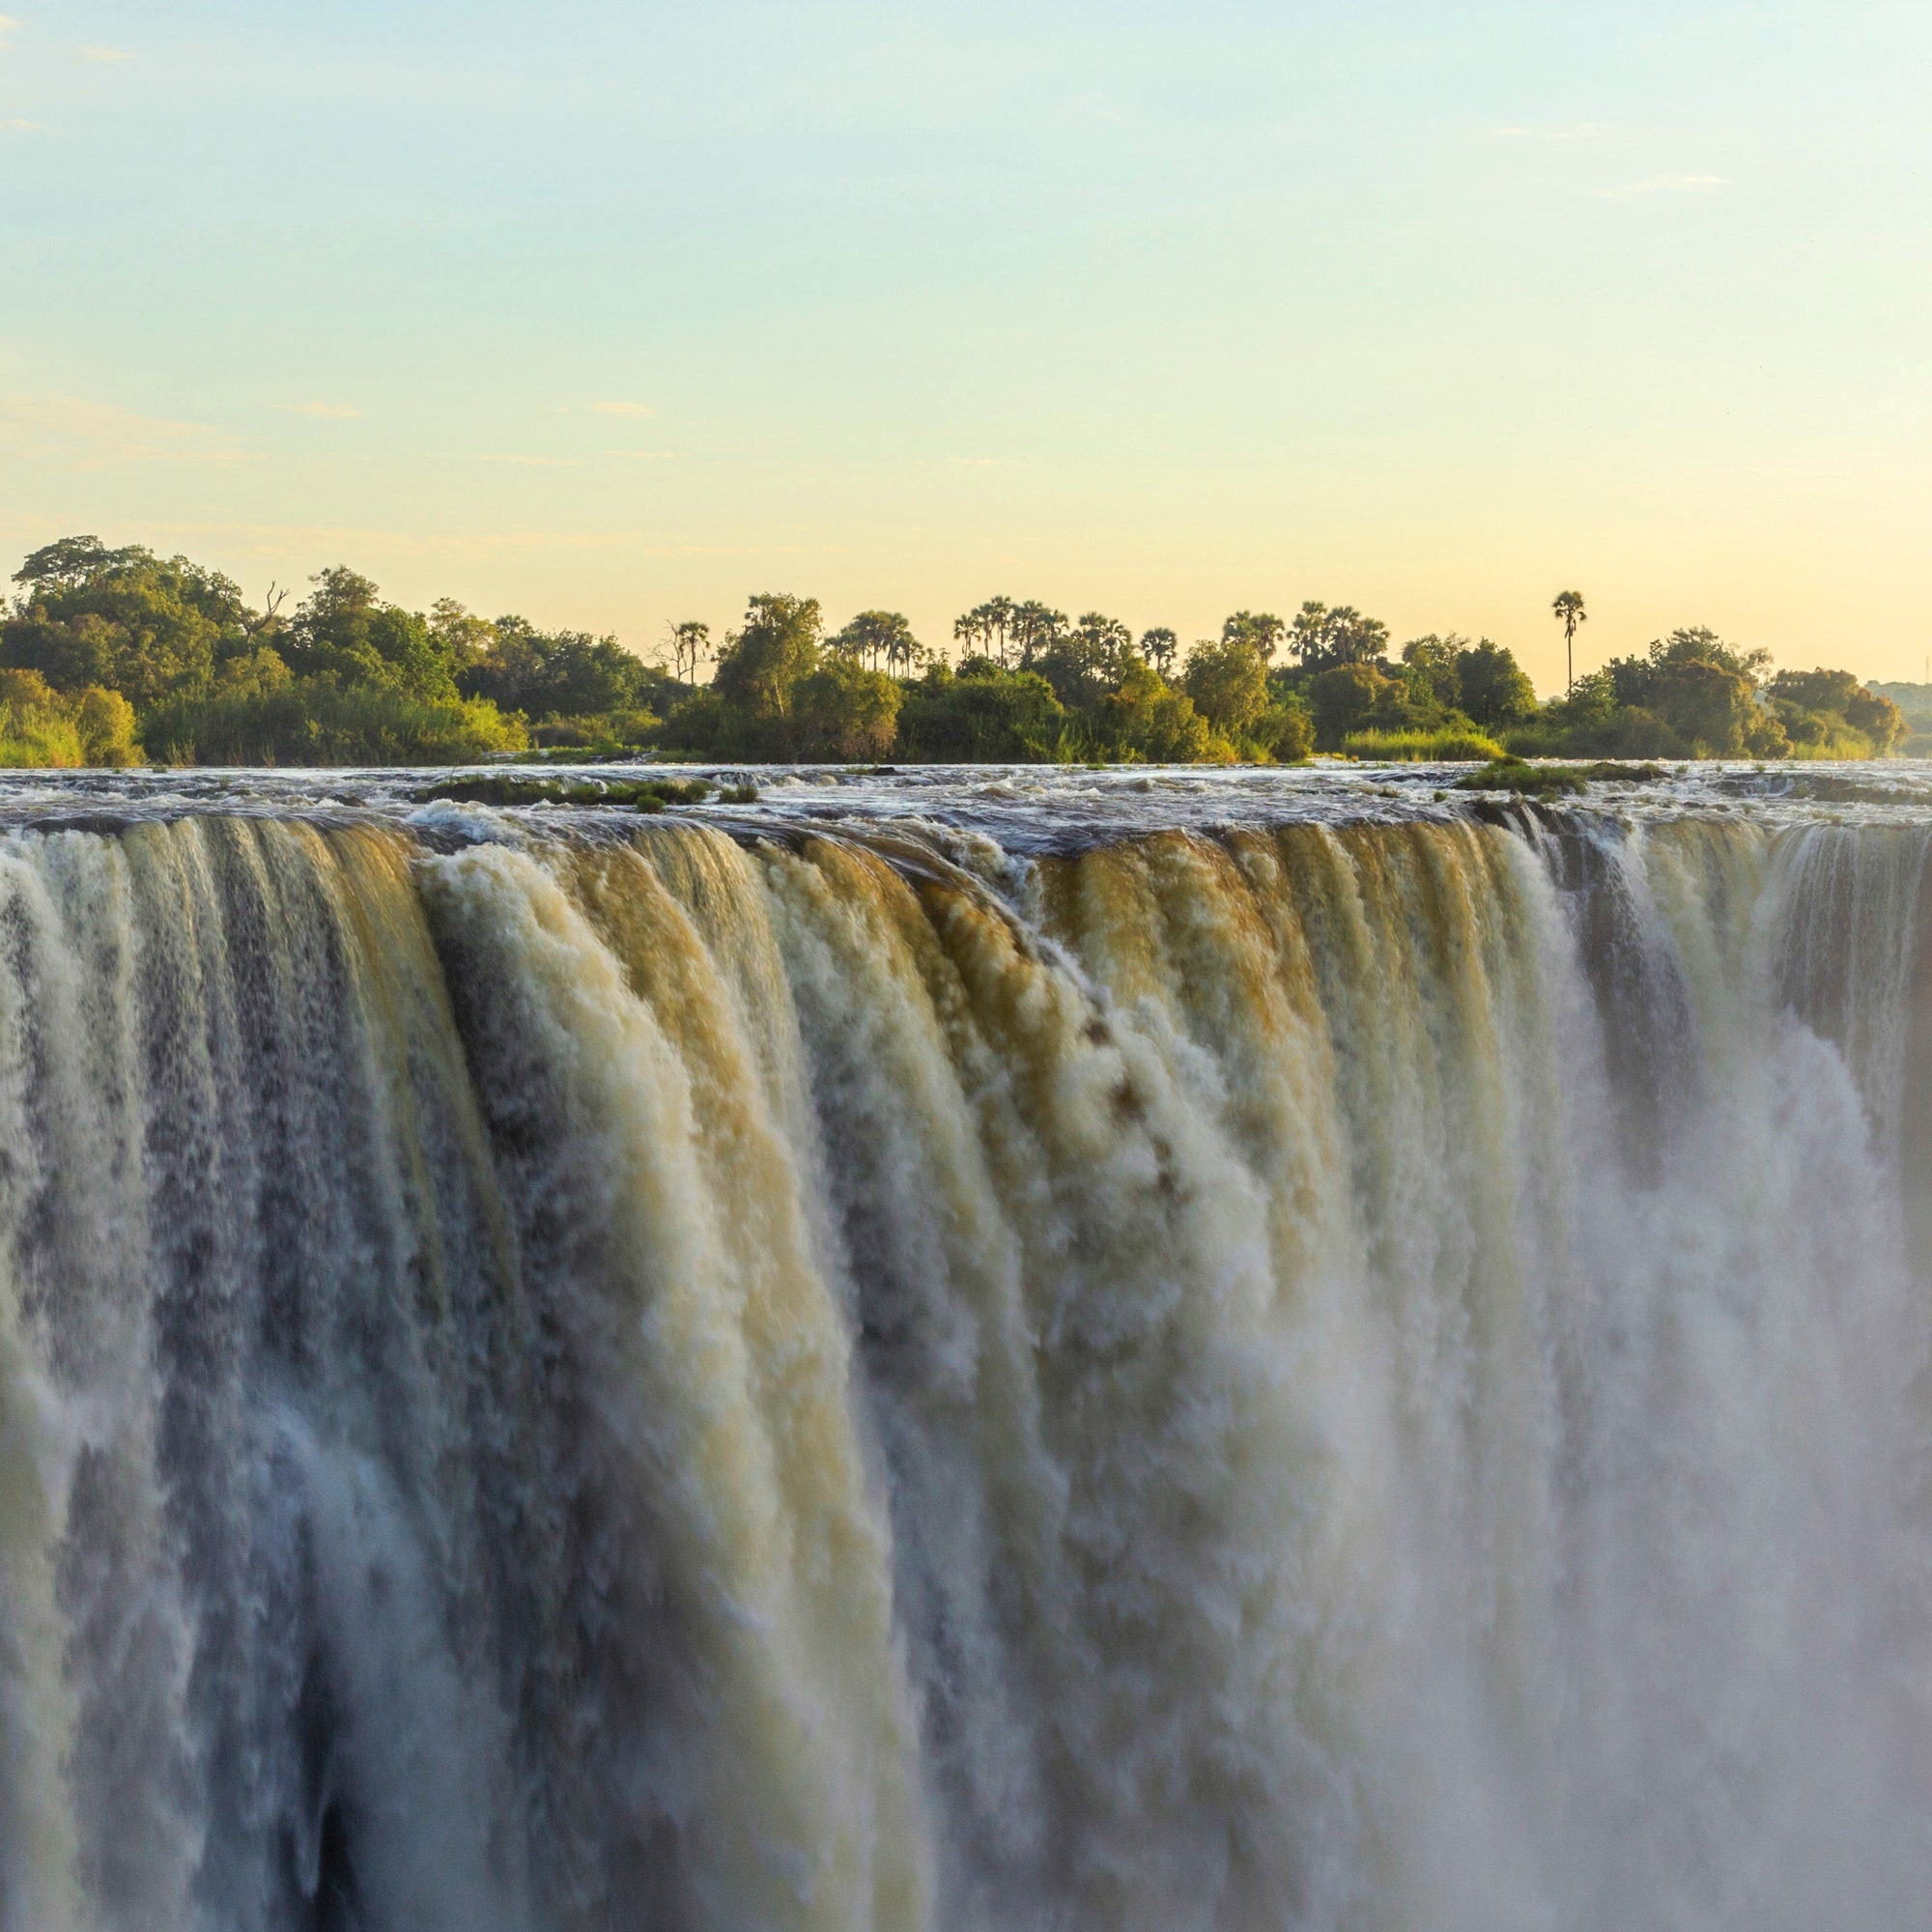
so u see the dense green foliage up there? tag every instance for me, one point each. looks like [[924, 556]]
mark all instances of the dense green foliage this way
[[115, 656], [41, 726], [1915, 706], [319, 720]]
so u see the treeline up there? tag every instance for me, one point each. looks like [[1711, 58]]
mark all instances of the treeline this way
[[119, 656], [1035, 685], [345, 678]]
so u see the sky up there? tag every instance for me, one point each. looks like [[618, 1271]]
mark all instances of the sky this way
[[613, 314]]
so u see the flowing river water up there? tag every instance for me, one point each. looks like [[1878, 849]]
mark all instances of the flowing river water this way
[[1059, 1352]]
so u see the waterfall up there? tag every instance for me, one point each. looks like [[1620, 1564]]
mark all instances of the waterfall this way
[[1343, 1376]]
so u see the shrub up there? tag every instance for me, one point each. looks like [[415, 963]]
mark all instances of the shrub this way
[[104, 720], [1455, 744], [990, 717], [317, 722], [1149, 720], [1227, 681], [1285, 732], [35, 730], [842, 711], [41, 728]]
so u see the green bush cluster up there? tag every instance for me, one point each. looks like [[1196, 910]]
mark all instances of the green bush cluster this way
[[41, 726], [1080, 694], [347, 678], [1692, 696]]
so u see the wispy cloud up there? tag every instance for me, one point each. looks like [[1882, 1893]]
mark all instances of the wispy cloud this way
[[7, 26], [976, 462], [1667, 185], [102, 56], [538, 462], [645, 455], [82, 435], [624, 408], [1576, 130], [21, 127], [384, 541], [327, 411]]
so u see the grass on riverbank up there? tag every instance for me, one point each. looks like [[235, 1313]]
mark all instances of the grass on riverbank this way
[[1456, 746]]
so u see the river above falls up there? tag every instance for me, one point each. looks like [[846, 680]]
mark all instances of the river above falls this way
[[1023, 808]]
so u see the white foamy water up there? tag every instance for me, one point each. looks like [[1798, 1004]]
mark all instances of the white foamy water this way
[[1028, 1351]]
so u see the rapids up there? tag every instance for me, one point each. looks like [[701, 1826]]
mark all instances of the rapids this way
[[1020, 1351]]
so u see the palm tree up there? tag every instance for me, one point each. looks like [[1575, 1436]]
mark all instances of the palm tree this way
[[1567, 611], [1262, 629], [998, 613], [1034, 627], [690, 646], [1159, 647], [873, 635]]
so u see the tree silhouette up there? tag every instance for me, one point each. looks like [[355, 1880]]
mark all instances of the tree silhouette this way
[[1323, 639], [1159, 646], [690, 646], [873, 635], [1036, 628], [1567, 609], [1262, 630], [1103, 642]]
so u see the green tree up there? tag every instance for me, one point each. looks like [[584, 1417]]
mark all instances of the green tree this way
[[690, 647], [1819, 708], [1350, 698], [972, 628], [985, 713], [1877, 717], [466, 638], [1084, 664], [1033, 629], [104, 720], [1704, 691], [1148, 719], [1432, 666], [986, 630], [1322, 638], [1159, 647], [760, 664], [878, 638], [558, 673], [1285, 731], [843, 711], [342, 630], [1228, 683], [123, 619], [1262, 630], [1492, 686]]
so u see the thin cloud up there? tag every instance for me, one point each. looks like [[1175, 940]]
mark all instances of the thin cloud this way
[[537, 462], [632, 410], [82, 435], [1669, 185], [7, 26], [276, 539], [22, 127], [976, 462], [326, 411], [645, 455], [1579, 131], [102, 56]]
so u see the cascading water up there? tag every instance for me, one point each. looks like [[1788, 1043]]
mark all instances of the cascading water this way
[[558, 1375]]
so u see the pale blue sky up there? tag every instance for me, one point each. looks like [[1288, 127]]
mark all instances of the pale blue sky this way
[[615, 314]]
